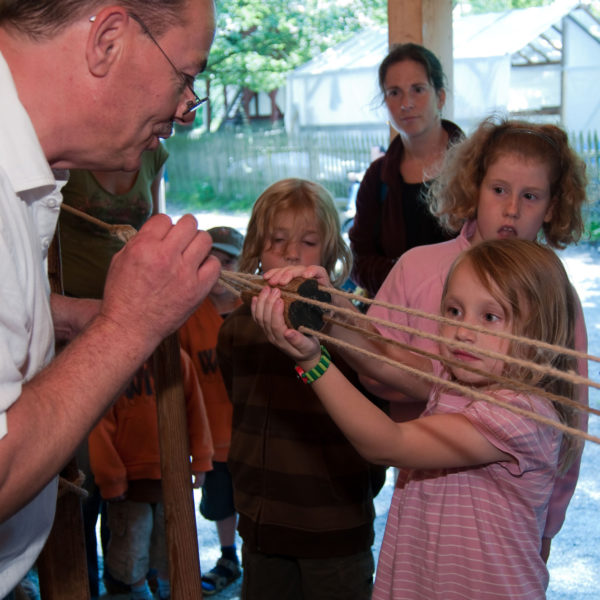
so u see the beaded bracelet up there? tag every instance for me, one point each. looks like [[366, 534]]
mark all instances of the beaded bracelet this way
[[318, 370]]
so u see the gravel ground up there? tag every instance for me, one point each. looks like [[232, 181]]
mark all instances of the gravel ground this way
[[574, 562]]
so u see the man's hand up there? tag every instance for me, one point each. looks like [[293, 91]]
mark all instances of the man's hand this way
[[157, 280], [154, 283]]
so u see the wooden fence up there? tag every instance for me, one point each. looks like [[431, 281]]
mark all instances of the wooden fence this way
[[231, 169], [237, 167], [587, 145]]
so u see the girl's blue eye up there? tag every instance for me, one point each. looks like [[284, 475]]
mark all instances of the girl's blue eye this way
[[498, 189], [529, 196], [491, 318]]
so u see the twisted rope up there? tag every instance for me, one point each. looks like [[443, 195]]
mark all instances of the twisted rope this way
[[65, 486], [243, 282], [121, 232], [462, 389]]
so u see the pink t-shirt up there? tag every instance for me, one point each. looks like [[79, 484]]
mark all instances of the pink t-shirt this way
[[474, 532], [417, 281]]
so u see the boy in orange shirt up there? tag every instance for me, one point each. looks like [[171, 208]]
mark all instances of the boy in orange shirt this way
[[125, 460]]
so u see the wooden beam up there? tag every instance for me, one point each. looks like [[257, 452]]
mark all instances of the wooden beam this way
[[176, 473], [405, 21], [62, 565]]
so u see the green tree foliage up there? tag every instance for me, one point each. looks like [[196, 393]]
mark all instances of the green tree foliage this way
[[259, 41]]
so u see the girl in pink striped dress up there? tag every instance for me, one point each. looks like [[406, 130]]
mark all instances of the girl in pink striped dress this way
[[476, 474]]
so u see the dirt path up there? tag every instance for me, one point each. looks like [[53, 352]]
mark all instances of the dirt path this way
[[575, 557]]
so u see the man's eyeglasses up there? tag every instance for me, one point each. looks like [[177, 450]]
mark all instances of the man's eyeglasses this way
[[187, 80]]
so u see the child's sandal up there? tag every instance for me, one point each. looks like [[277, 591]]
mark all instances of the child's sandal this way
[[219, 577]]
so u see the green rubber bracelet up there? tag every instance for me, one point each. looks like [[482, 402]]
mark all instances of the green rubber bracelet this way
[[318, 370]]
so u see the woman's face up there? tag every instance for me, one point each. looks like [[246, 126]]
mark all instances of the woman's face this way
[[412, 101]]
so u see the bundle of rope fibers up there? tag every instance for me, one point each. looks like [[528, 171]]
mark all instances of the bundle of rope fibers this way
[[318, 309]]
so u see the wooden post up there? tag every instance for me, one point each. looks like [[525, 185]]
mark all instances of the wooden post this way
[[62, 565], [178, 497]]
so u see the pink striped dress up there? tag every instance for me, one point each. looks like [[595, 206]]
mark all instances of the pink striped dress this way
[[474, 533]]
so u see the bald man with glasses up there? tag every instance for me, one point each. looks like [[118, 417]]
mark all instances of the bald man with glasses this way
[[90, 85]]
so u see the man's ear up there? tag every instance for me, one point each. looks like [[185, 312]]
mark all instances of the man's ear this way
[[105, 40]]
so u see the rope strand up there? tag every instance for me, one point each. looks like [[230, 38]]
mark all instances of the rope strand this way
[[252, 283], [122, 232], [462, 389], [510, 383], [238, 282]]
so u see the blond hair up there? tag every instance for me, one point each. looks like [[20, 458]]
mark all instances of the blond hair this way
[[299, 196], [529, 281], [454, 196]]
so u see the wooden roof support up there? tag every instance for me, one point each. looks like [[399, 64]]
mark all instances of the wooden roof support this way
[[178, 498], [62, 565]]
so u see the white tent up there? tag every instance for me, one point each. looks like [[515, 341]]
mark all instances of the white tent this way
[[339, 86], [541, 63]]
